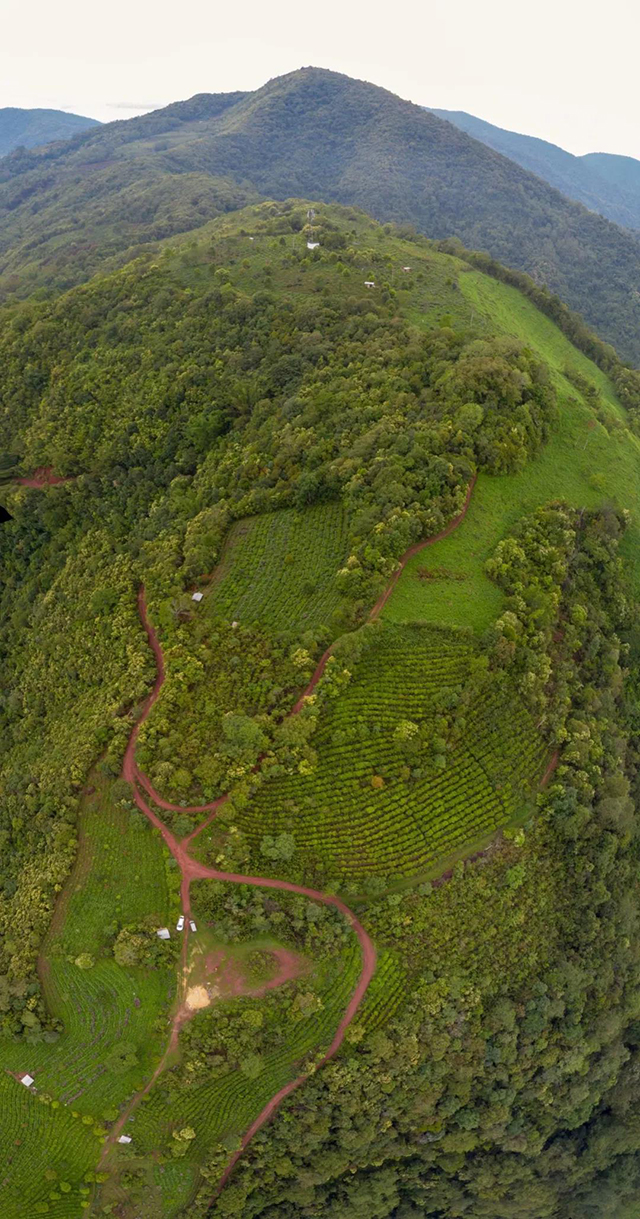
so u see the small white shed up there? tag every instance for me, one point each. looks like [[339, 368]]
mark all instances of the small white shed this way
[[124, 1138], [197, 596], [312, 245], [27, 1080], [406, 268], [163, 933], [369, 283]]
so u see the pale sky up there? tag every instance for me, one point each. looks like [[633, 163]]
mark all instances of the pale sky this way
[[560, 69]]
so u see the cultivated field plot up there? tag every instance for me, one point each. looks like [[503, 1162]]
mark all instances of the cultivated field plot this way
[[220, 1109], [279, 569], [386, 993], [108, 1046], [369, 808], [44, 1155]]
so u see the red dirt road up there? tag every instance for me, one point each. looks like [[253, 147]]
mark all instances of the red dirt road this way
[[191, 869]]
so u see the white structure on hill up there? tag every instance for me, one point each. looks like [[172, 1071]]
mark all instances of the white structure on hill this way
[[197, 596], [163, 933], [27, 1080]]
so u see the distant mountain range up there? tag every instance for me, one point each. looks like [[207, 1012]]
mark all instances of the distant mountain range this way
[[110, 191], [30, 128], [605, 183]]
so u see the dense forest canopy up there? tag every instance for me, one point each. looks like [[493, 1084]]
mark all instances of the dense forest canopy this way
[[605, 183], [106, 193], [32, 128], [237, 414]]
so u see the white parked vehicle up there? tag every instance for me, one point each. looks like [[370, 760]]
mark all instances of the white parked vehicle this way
[[180, 923], [192, 925]]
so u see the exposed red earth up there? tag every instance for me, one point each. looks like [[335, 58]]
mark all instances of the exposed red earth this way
[[192, 869], [42, 477], [229, 980], [553, 762]]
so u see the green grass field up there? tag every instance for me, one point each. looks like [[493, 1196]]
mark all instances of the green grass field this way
[[372, 807], [120, 877], [584, 463], [279, 569], [255, 257]]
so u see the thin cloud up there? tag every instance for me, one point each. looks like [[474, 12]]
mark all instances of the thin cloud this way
[[135, 105]]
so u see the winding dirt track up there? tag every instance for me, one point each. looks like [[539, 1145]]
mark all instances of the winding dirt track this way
[[191, 869]]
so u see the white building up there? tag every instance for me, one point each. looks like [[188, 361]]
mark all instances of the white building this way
[[312, 245], [163, 933], [27, 1080], [368, 283], [124, 1138], [197, 596]]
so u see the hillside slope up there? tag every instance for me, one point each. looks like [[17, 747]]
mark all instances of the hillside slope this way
[[240, 416], [312, 133], [598, 179], [31, 128], [622, 172]]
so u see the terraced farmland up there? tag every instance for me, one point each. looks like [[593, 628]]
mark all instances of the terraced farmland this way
[[278, 569], [44, 1156], [119, 878], [386, 992], [370, 808]]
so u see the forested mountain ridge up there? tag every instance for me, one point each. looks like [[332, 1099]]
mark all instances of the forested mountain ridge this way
[[241, 404], [312, 133], [623, 172], [603, 182], [31, 128]]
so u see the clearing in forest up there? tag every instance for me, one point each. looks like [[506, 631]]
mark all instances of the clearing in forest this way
[[279, 569]]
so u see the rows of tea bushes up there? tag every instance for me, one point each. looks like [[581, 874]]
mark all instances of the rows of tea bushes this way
[[279, 569], [45, 1155], [418, 757]]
